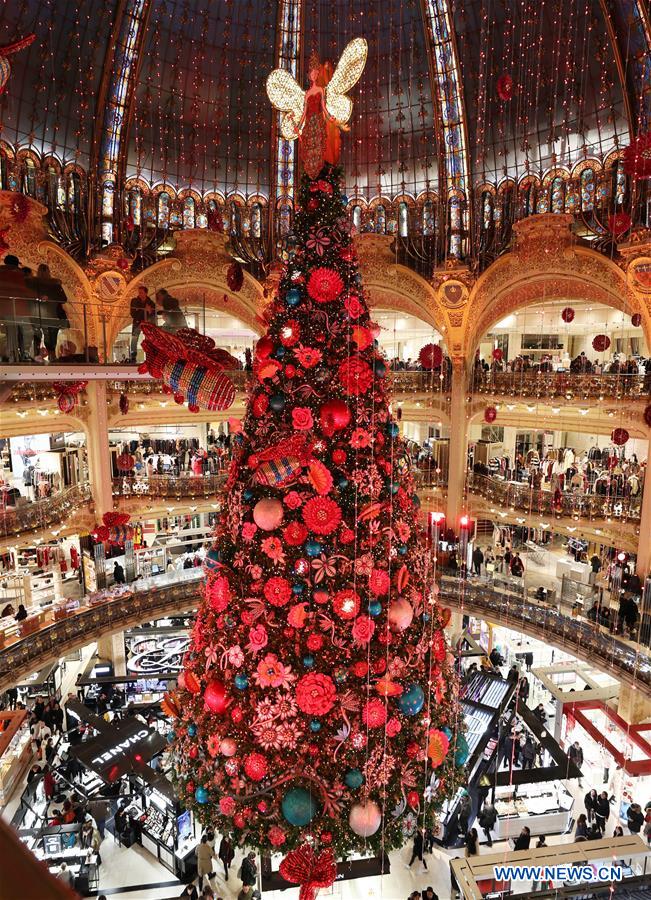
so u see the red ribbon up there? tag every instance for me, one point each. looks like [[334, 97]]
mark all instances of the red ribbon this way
[[303, 866]]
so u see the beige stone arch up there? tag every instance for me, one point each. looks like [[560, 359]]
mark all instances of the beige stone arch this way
[[547, 262]]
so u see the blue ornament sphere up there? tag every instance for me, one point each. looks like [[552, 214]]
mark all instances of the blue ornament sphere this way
[[447, 732], [312, 548], [170, 737], [375, 608], [461, 751], [248, 493], [393, 429], [297, 588], [299, 807], [212, 560], [402, 549], [379, 368], [293, 297], [343, 483], [416, 500], [201, 795], [412, 700], [308, 661], [277, 402], [315, 726], [344, 199], [192, 730], [241, 682], [354, 778]]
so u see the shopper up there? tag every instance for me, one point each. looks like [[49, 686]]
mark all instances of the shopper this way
[[100, 811], [487, 819], [602, 810], [472, 843], [540, 714], [189, 892], [590, 803], [21, 615], [226, 854], [417, 849], [516, 566], [523, 840], [137, 311], [595, 832], [463, 813], [48, 784], [477, 560], [66, 876], [635, 818], [118, 573], [249, 870], [528, 660], [528, 753], [618, 831], [575, 755], [205, 855], [581, 830]]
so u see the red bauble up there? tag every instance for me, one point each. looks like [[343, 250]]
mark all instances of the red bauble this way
[[193, 752], [334, 416], [290, 333], [619, 223], [125, 462], [255, 766], [600, 343], [413, 799], [431, 356], [264, 347], [214, 696], [490, 414], [235, 277], [505, 86], [620, 436], [567, 315], [637, 158], [237, 715], [497, 354], [636, 319]]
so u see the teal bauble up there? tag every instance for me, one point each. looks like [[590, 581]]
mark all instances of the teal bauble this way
[[308, 661], [375, 608], [212, 560], [411, 701], [192, 730], [315, 726], [462, 751], [171, 735], [298, 588], [394, 429], [201, 795], [299, 807], [277, 402], [241, 682], [354, 778], [379, 367], [312, 548], [293, 297]]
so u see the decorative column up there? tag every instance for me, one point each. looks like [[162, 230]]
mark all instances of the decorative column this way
[[111, 648], [97, 445], [643, 567], [634, 705], [458, 444]]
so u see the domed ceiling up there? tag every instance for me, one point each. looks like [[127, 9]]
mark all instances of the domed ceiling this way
[[172, 91]]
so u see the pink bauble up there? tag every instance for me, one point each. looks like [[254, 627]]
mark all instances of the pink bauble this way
[[214, 696], [401, 615], [365, 818], [228, 747], [268, 514]]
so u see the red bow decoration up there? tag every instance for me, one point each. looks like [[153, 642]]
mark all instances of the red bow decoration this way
[[311, 871]]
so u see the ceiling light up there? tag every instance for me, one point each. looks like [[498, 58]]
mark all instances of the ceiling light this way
[[556, 410], [583, 411]]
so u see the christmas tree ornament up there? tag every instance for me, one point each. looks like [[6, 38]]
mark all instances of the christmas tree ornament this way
[[490, 414], [620, 437], [299, 807], [567, 314], [505, 87], [600, 343], [431, 356], [268, 514], [637, 158], [214, 696], [311, 871], [7, 51], [365, 818], [636, 320]]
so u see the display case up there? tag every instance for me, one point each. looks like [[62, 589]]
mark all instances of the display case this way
[[15, 750], [544, 808]]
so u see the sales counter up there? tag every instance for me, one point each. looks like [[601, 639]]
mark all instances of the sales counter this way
[[15, 750], [545, 808]]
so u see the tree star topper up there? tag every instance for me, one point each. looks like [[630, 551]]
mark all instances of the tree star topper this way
[[317, 116]]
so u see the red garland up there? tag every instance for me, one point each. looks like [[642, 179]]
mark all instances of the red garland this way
[[235, 277], [490, 414], [637, 158], [303, 866]]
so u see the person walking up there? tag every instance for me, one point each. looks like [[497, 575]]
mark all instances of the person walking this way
[[226, 854], [249, 871], [477, 560], [575, 755], [464, 812], [602, 810], [100, 810], [590, 802], [205, 855], [417, 849], [472, 843], [516, 566], [487, 819]]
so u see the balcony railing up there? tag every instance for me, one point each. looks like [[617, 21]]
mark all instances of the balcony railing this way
[[170, 487], [535, 500], [43, 513], [563, 385]]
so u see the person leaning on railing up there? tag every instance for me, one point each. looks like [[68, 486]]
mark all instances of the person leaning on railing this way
[[17, 308]]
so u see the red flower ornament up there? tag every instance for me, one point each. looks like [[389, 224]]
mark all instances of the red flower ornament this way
[[324, 285], [321, 515], [355, 375], [637, 158], [315, 694]]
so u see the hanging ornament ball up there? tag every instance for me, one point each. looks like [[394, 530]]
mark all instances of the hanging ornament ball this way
[[637, 158], [600, 343], [431, 356], [201, 795], [192, 730], [256, 766], [647, 415], [365, 818], [401, 615], [241, 682], [636, 319], [268, 514], [379, 367], [620, 436], [505, 86], [461, 751], [334, 416], [124, 404], [277, 402], [313, 548], [171, 737], [214, 696], [497, 354], [619, 223], [264, 347], [299, 807], [413, 799], [293, 297], [228, 747], [490, 414], [66, 402], [354, 778], [567, 315], [125, 462], [411, 700]]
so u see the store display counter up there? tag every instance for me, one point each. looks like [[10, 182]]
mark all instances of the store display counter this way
[[544, 808], [15, 750], [570, 568]]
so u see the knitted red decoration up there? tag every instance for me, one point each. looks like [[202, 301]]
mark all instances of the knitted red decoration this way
[[636, 319], [125, 462], [431, 356], [619, 436], [304, 867], [637, 158], [619, 223], [600, 343], [490, 414], [497, 354], [235, 277], [568, 314], [505, 87]]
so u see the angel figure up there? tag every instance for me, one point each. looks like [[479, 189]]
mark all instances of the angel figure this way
[[318, 115]]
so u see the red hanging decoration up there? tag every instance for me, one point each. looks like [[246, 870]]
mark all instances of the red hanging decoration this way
[[490, 414], [647, 415], [5, 65], [505, 86], [431, 356], [497, 354], [568, 314], [637, 158], [124, 404], [125, 462], [124, 263], [235, 277], [619, 223], [600, 343], [303, 866], [636, 320], [67, 392], [619, 436]]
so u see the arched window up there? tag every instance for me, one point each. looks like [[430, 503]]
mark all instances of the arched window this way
[[380, 219], [235, 225], [455, 207], [73, 191], [429, 223], [557, 195], [284, 218], [30, 177], [135, 205], [403, 219], [256, 220], [357, 217], [572, 198], [487, 210], [528, 200], [60, 192], [619, 192], [587, 190], [163, 216], [542, 204], [188, 212]]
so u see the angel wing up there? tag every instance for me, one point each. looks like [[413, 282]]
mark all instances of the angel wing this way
[[289, 98], [349, 68]]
